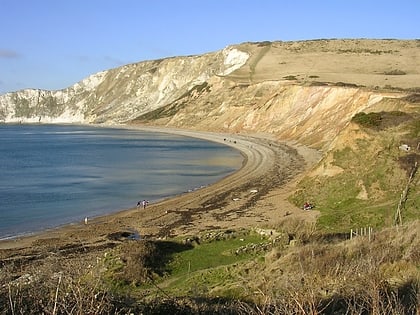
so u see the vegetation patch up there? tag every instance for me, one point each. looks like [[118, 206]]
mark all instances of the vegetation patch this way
[[408, 161], [50, 107], [264, 43], [376, 275], [414, 129], [183, 266], [395, 72], [345, 84], [290, 77], [139, 262], [367, 120], [412, 98], [365, 51], [162, 112], [381, 120], [375, 172], [213, 253], [318, 83], [22, 107]]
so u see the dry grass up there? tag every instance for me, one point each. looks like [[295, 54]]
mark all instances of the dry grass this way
[[349, 277], [357, 62], [315, 274], [319, 274], [76, 290]]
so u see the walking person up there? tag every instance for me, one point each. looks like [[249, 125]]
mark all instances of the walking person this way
[[144, 203]]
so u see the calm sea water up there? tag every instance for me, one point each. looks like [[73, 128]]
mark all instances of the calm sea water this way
[[52, 175]]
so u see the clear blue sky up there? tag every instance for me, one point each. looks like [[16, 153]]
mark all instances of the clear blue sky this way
[[52, 44]]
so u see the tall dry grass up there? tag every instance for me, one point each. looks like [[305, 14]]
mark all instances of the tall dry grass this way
[[53, 289], [356, 276]]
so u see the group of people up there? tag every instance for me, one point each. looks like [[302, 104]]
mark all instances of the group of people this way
[[142, 203]]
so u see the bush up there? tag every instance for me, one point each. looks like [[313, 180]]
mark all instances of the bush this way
[[290, 77], [412, 98], [395, 72], [367, 120]]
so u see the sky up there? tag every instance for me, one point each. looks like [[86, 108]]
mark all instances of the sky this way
[[53, 44]]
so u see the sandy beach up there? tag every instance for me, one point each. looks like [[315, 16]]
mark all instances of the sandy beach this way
[[254, 196]]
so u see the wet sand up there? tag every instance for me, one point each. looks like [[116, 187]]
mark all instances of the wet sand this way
[[254, 196]]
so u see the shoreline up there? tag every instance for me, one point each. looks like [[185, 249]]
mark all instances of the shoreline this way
[[211, 207], [29, 231]]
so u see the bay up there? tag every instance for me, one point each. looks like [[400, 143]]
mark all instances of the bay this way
[[51, 175]]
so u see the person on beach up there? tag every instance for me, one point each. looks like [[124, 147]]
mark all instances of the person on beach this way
[[144, 203]]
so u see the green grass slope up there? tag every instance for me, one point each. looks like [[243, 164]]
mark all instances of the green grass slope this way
[[360, 181]]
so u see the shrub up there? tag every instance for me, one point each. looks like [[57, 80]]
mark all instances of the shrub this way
[[412, 98], [395, 72], [345, 84], [290, 77], [367, 120], [264, 43]]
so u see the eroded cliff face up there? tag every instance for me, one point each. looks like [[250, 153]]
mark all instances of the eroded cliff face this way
[[301, 91], [120, 94], [311, 115]]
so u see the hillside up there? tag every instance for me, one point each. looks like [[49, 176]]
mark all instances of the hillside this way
[[305, 91], [332, 122]]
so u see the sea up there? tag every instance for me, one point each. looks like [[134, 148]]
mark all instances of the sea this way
[[53, 175]]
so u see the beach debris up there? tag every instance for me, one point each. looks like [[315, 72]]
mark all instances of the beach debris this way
[[236, 199], [253, 191]]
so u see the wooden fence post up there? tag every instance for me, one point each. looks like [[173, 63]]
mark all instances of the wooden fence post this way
[[404, 195]]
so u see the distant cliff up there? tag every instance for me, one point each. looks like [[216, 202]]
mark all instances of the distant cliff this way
[[119, 94], [305, 91]]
